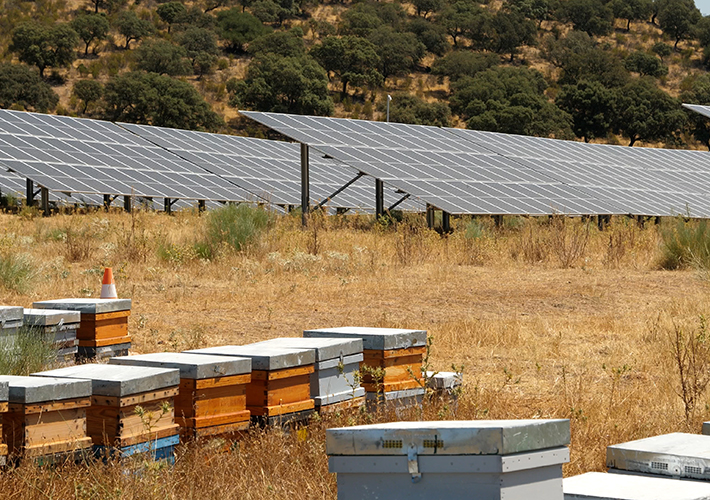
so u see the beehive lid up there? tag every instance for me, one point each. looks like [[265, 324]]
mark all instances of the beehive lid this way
[[377, 339], [265, 358], [600, 486], [465, 437], [325, 348], [28, 390], [677, 454], [4, 392], [51, 317], [86, 306], [11, 315], [191, 366], [119, 381]]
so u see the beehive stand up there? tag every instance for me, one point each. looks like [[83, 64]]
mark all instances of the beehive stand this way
[[46, 418], [337, 362], [600, 486], [676, 455], [485, 460], [399, 353], [59, 327], [4, 394], [212, 397], [103, 331], [279, 392], [114, 421], [10, 322]]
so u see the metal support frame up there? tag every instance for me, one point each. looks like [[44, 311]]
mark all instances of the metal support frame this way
[[341, 210], [657, 220], [430, 216], [30, 194], [603, 221], [107, 201], [128, 203], [305, 185], [201, 206], [399, 202], [445, 222], [379, 198], [168, 205], [45, 201], [498, 219], [338, 191]]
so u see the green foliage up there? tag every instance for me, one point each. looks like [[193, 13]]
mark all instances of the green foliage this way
[[407, 108], [90, 27], [29, 351], [677, 18], [17, 272], [631, 10], [365, 17], [591, 16], [283, 84], [698, 93], [591, 106], [431, 35], [21, 86], [509, 31], [44, 46], [171, 13], [111, 6], [426, 7], [163, 58], [687, 244], [281, 43], [87, 91], [399, 53], [462, 19], [537, 10], [647, 113], [351, 58], [235, 226], [238, 28], [662, 50], [460, 63], [153, 99], [645, 64], [200, 45], [132, 27], [509, 100]]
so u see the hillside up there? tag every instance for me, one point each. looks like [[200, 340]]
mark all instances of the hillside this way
[[587, 69]]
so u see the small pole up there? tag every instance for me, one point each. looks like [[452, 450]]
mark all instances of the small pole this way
[[445, 222], [30, 193], [127, 204], [167, 206], [389, 98], [430, 216], [201, 206], [379, 198], [45, 201], [305, 185], [107, 201]]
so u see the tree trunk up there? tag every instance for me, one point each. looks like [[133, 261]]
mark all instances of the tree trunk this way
[[675, 47], [345, 89], [633, 141], [628, 25], [86, 50]]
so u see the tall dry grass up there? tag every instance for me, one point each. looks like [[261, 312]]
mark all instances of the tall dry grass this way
[[550, 318]]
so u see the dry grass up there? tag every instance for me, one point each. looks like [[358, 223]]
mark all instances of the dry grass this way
[[541, 334]]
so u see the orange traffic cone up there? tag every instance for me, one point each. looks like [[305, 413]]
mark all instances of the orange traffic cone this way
[[108, 287]]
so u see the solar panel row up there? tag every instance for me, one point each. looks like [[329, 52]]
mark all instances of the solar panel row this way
[[473, 172]]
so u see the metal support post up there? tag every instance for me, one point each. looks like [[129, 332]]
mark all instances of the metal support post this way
[[305, 185], [498, 219], [107, 201], [45, 201], [168, 206], [430, 216], [379, 198], [657, 221], [445, 222], [201, 206], [127, 203], [30, 193], [337, 191], [398, 202]]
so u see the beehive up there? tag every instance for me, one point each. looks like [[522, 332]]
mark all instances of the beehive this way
[[444, 384], [103, 331], [132, 407], [46, 417], [485, 460], [677, 455], [10, 323], [212, 398], [600, 486], [279, 391], [336, 376], [4, 393], [59, 327], [397, 353]]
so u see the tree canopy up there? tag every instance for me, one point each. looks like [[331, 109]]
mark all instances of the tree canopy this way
[[44, 46], [239, 28], [352, 59], [90, 27], [22, 86], [591, 106]]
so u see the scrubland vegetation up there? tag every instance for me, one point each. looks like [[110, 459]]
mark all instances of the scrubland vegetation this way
[[549, 317]]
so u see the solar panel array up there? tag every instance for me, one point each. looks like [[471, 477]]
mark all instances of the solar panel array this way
[[473, 172], [698, 108], [270, 170]]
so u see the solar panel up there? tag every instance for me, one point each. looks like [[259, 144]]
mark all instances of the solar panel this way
[[75, 155], [270, 170], [447, 171], [703, 110]]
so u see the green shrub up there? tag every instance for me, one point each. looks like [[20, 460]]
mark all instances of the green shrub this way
[[17, 271], [236, 226], [686, 244], [28, 352], [474, 230]]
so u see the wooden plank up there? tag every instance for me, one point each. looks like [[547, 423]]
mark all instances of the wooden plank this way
[[4, 405], [104, 316], [341, 406], [152, 436], [230, 431], [279, 374], [103, 342], [51, 406], [13, 431], [57, 447], [136, 399], [56, 426], [268, 411], [3, 450], [210, 383], [280, 391], [224, 419], [131, 424], [392, 386]]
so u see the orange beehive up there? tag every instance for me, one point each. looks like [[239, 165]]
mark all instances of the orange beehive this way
[[212, 400], [400, 368], [4, 392], [46, 417]]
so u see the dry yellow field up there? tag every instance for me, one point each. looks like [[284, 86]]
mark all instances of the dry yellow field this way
[[549, 318]]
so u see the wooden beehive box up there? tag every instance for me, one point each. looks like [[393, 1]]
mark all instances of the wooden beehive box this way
[[334, 380], [212, 399], [59, 327], [4, 394], [280, 389], [10, 322], [399, 353], [103, 331], [130, 406], [46, 417]]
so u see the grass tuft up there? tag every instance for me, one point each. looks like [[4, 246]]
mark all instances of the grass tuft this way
[[17, 272], [686, 244], [235, 226], [29, 351]]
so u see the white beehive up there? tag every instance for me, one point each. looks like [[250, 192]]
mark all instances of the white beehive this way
[[59, 327], [10, 322], [600, 486], [481, 459]]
